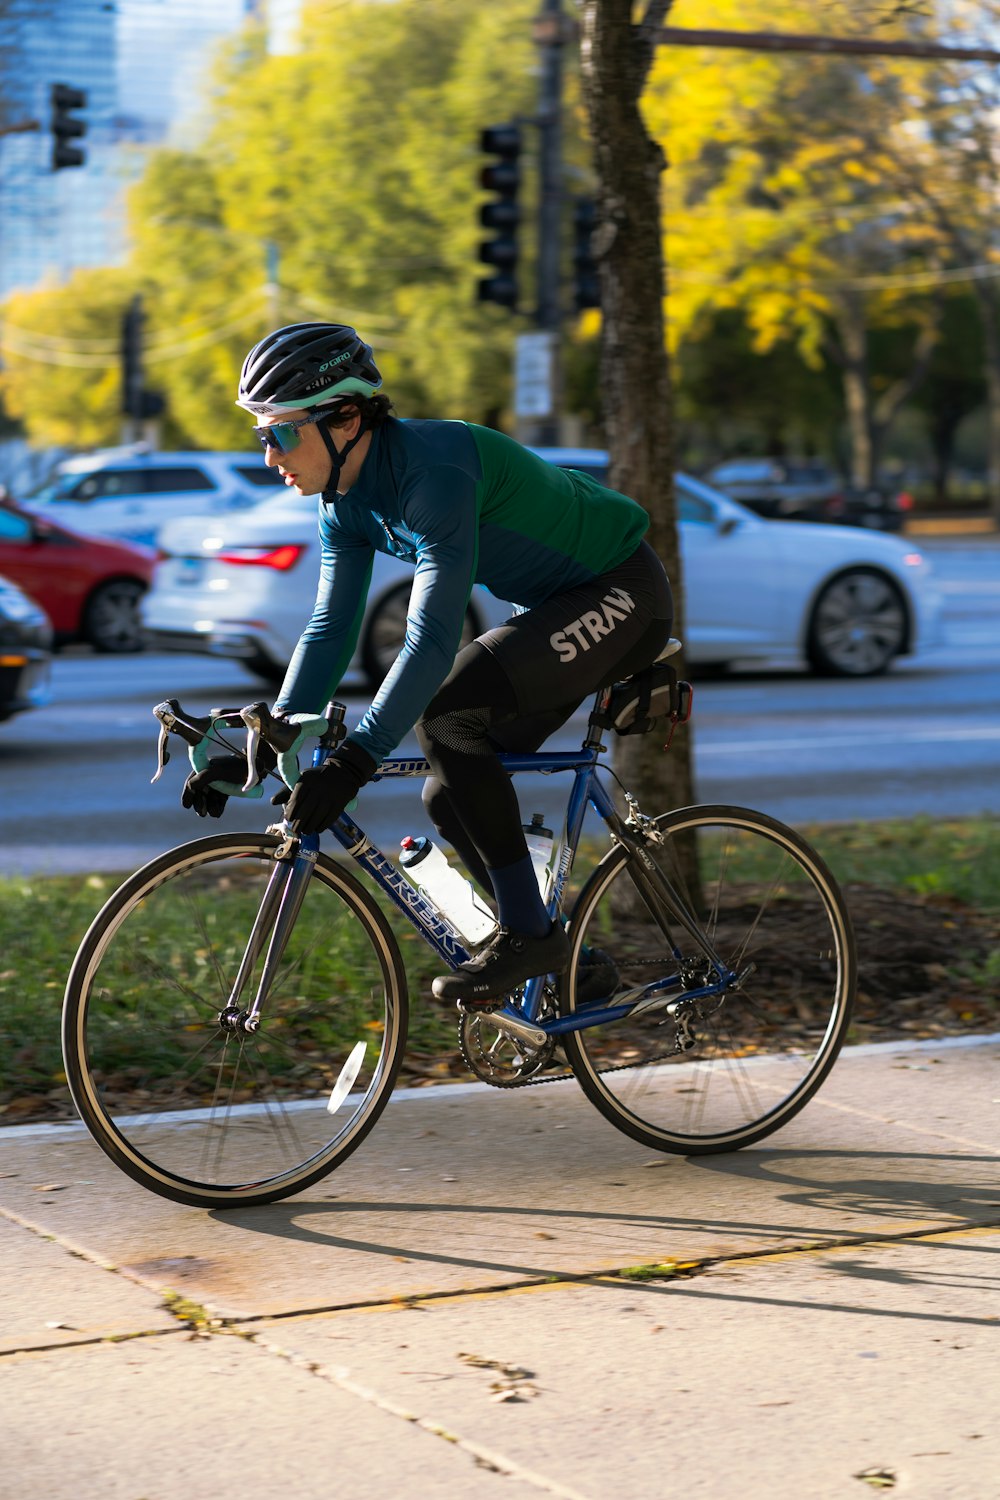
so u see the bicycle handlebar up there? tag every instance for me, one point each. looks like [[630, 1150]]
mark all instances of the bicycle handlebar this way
[[285, 736]]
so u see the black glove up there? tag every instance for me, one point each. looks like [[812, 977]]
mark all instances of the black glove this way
[[321, 793], [206, 799]]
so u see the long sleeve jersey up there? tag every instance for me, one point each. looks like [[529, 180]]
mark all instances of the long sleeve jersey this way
[[465, 505]]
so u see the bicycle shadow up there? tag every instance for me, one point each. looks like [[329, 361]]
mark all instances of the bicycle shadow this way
[[438, 1226], [883, 1196]]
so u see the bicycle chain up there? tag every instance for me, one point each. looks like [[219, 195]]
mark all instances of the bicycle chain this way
[[675, 1051], [618, 1068]]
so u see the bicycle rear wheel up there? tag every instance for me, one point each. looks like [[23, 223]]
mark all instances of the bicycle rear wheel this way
[[762, 1046], [186, 1107]]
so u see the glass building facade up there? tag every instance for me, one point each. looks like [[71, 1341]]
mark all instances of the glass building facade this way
[[142, 64]]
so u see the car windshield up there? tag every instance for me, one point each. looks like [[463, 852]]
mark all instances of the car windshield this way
[[58, 488], [46, 491]]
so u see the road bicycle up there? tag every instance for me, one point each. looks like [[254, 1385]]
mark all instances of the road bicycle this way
[[237, 1013]]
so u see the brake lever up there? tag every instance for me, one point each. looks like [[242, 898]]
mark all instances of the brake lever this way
[[162, 754], [285, 737], [190, 728]]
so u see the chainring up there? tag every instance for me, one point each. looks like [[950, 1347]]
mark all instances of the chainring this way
[[499, 1060]]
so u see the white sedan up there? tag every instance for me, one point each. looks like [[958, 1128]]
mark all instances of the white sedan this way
[[845, 601]]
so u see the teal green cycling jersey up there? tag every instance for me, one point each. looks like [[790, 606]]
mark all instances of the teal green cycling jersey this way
[[464, 505]]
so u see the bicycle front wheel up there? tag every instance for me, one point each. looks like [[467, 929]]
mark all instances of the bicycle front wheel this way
[[759, 1047], [190, 1108]]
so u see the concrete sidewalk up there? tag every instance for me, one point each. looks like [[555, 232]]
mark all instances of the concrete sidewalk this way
[[499, 1295]]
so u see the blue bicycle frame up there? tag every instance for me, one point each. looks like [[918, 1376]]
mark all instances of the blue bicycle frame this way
[[443, 938]]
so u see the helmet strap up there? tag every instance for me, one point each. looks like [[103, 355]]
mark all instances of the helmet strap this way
[[337, 457]]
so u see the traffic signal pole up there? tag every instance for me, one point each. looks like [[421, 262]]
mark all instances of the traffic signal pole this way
[[551, 32]]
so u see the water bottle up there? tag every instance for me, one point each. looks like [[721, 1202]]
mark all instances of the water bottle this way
[[447, 891], [539, 841]]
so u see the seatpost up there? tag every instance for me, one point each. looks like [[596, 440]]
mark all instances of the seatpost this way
[[597, 721]]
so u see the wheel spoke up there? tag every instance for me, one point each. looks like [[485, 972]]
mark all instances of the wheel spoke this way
[[731, 1066], [193, 1106]]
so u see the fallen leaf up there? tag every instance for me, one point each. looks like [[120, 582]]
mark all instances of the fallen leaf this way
[[502, 1392], [879, 1479]]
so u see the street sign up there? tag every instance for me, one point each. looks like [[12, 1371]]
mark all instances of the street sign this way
[[533, 375]]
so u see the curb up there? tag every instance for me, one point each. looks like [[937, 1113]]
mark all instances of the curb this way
[[951, 526]]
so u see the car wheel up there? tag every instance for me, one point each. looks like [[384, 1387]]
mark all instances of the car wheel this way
[[111, 621], [386, 632], [858, 625]]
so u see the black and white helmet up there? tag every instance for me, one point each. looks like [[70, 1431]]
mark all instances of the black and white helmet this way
[[305, 365]]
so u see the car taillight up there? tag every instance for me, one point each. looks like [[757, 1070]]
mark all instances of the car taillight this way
[[281, 558], [904, 500]]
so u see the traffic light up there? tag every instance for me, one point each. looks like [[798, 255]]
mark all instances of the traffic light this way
[[502, 179], [586, 281], [66, 127]]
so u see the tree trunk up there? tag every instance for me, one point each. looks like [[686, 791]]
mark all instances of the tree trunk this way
[[635, 373], [869, 421], [852, 356], [941, 432]]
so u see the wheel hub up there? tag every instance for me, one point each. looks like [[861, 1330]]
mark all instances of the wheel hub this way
[[238, 1022]]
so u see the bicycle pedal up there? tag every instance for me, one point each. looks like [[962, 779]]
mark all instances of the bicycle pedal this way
[[479, 1007]]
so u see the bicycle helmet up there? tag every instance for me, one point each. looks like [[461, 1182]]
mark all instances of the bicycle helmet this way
[[304, 365]]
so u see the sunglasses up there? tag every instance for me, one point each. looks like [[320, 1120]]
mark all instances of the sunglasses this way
[[284, 436]]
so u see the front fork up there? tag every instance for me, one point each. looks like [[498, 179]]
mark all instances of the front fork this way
[[276, 916]]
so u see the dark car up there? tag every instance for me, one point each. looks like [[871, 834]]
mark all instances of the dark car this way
[[90, 587], [808, 490], [25, 651]]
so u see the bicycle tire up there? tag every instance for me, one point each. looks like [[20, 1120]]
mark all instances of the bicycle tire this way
[[764, 1048], [185, 1108]]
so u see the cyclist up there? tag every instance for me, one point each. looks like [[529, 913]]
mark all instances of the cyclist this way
[[464, 504]]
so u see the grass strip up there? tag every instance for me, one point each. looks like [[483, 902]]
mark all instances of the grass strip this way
[[924, 893]]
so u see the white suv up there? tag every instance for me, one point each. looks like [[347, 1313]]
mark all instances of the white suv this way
[[132, 493]]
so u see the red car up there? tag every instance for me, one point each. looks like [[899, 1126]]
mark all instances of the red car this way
[[89, 586]]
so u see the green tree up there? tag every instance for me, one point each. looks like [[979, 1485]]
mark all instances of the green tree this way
[[61, 374], [336, 183], [733, 398], [955, 385], [782, 201], [349, 169], [947, 165]]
